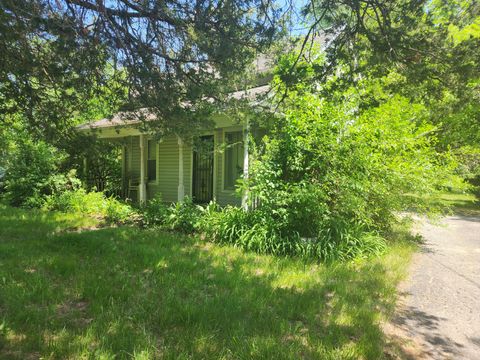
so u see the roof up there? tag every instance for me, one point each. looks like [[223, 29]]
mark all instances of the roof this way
[[119, 119], [128, 118]]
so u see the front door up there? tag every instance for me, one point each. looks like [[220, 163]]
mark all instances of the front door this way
[[202, 180]]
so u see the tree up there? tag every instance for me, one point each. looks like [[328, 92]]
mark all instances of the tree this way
[[425, 51], [176, 55]]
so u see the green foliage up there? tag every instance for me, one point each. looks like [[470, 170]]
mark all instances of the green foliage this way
[[155, 211], [225, 225], [31, 173], [65, 182], [89, 203], [337, 175], [102, 159], [117, 212], [260, 232], [183, 216], [469, 166], [432, 48], [56, 63], [78, 201]]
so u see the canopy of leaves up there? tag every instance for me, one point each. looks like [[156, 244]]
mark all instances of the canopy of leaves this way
[[173, 55], [432, 49]]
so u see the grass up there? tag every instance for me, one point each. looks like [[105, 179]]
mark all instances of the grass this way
[[461, 203], [132, 293]]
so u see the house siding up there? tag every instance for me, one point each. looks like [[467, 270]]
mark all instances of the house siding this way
[[167, 164], [135, 156]]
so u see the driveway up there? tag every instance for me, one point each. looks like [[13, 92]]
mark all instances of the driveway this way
[[440, 309]]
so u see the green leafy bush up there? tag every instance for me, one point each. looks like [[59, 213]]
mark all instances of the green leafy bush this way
[[155, 212], [225, 225], [90, 203], [326, 166], [117, 212], [330, 179], [78, 201], [183, 216], [31, 173]]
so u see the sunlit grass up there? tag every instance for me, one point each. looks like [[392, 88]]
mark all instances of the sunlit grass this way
[[144, 294], [460, 203]]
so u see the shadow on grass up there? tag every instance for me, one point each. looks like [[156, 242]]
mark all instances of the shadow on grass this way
[[463, 205], [140, 293]]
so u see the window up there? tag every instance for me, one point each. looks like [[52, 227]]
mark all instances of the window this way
[[233, 168], [152, 160]]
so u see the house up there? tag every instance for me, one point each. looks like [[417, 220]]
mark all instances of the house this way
[[176, 168]]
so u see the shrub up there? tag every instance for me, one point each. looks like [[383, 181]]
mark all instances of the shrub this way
[[30, 174], [326, 166], [117, 212], [226, 225], [64, 182], [183, 216], [78, 201], [330, 179], [90, 203], [155, 212]]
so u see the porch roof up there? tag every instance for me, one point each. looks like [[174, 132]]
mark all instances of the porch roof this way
[[124, 119]]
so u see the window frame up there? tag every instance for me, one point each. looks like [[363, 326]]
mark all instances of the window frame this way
[[152, 181], [236, 129]]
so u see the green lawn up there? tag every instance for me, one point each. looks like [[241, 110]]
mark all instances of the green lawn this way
[[131, 293], [460, 203]]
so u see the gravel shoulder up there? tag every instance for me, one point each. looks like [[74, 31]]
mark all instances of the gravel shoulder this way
[[439, 312]]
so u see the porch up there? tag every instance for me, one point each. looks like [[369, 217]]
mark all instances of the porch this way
[[201, 169]]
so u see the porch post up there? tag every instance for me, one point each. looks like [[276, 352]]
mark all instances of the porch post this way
[[181, 187], [143, 187], [246, 133], [124, 186], [85, 172]]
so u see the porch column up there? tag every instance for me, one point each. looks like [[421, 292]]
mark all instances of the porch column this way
[[124, 171], [85, 172], [181, 187], [246, 133], [143, 186]]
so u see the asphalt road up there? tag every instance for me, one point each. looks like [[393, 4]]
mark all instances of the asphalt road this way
[[440, 309]]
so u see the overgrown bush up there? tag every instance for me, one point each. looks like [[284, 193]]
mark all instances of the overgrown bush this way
[[469, 167], [90, 203], [327, 167], [31, 173], [155, 212], [183, 216], [119, 213], [77, 201], [330, 180]]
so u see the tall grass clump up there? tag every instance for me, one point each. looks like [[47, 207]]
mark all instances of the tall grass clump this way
[[257, 232], [90, 203], [182, 216]]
